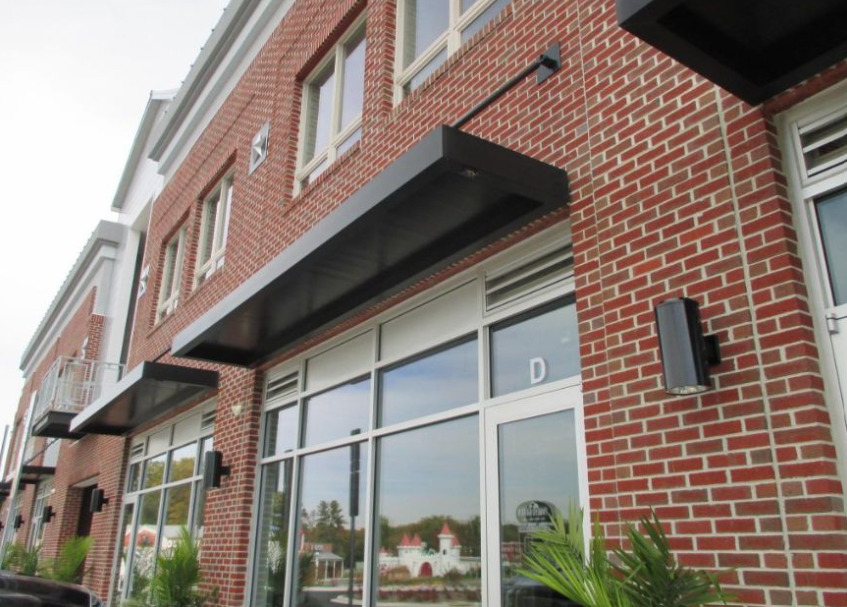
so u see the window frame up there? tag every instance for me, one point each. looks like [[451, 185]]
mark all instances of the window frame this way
[[219, 223], [171, 284], [349, 370], [146, 453], [449, 40], [339, 133]]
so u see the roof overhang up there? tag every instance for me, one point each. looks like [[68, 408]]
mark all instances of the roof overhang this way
[[148, 391], [32, 475], [448, 196], [55, 424], [753, 48]]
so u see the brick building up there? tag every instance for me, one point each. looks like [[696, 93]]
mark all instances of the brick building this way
[[375, 326]]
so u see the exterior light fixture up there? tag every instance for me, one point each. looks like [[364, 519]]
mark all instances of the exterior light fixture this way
[[47, 515], [98, 500], [686, 353], [213, 470], [19, 521]]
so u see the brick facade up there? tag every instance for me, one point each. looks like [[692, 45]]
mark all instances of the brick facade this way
[[677, 189]]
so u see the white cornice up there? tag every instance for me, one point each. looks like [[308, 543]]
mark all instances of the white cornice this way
[[103, 243], [139, 144], [236, 39]]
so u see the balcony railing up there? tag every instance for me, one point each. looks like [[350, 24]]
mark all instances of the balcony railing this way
[[72, 384]]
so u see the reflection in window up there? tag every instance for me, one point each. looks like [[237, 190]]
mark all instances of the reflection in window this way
[[182, 463], [124, 539], [425, 22], [832, 219], [332, 525], [154, 471], [144, 557], [436, 382], [338, 413], [429, 536], [281, 431], [535, 348], [272, 546], [538, 474]]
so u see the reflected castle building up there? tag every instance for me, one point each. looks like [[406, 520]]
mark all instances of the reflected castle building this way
[[421, 561]]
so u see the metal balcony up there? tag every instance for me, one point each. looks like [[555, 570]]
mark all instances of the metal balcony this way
[[69, 386]]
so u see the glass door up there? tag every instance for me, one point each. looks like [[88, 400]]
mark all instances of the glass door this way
[[534, 469]]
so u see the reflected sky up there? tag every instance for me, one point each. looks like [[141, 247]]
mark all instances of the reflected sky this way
[[281, 431], [431, 470], [336, 413], [538, 461], [326, 477], [535, 350], [832, 219], [439, 382]]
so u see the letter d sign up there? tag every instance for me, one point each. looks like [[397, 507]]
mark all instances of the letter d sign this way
[[537, 370]]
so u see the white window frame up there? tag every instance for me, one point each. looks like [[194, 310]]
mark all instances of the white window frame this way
[[803, 191], [338, 133], [450, 39], [569, 391], [219, 224], [36, 527], [169, 289], [133, 497]]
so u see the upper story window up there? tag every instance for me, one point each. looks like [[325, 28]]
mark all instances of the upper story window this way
[[171, 276], [428, 31], [214, 225], [331, 118]]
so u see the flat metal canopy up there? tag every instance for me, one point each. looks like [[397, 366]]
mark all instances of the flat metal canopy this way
[[55, 424], [753, 48], [143, 394], [448, 196], [31, 475]]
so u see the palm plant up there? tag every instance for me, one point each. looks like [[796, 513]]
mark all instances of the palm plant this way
[[68, 566], [21, 559], [645, 576], [177, 577]]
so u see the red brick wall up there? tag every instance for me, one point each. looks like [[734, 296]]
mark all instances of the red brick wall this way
[[677, 189]]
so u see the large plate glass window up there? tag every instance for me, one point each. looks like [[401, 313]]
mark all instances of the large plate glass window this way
[[387, 461], [164, 494], [333, 96], [431, 30]]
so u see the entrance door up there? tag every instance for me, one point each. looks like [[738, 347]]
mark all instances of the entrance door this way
[[830, 217], [533, 448]]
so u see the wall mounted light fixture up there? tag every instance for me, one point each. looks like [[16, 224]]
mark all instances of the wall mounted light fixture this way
[[214, 470], [686, 353], [19, 521], [47, 515], [98, 500]]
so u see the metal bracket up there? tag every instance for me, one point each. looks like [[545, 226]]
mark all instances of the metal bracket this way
[[549, 63]]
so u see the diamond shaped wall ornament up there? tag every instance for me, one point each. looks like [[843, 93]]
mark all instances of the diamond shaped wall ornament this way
[[259, 147]]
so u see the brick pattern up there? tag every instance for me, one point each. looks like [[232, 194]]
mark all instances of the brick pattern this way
[[677, 189]]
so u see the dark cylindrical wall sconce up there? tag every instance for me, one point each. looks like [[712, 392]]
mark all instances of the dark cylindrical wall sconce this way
[[214, 470], [98, 500], [686, 353], [47, 515], [19, 521]]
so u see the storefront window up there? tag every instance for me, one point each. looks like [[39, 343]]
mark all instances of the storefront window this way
[[168, 498], [331, 528], [338, 413], [393, 466], [430, 384], [429, 516], [538, 347]]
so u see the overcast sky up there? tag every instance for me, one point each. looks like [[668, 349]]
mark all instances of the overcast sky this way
[[75, 76]]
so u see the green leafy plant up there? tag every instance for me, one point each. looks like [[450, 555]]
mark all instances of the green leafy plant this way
[[21, 559], [652, 576], [68, 566], [177, 577], [646, 575]]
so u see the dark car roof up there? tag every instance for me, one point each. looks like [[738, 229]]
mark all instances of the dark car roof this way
[[25, 591]]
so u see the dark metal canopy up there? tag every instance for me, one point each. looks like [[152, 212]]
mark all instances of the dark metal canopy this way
[[144, 393], [446, 197], [753, 48], [55, 424], [31, 475]]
